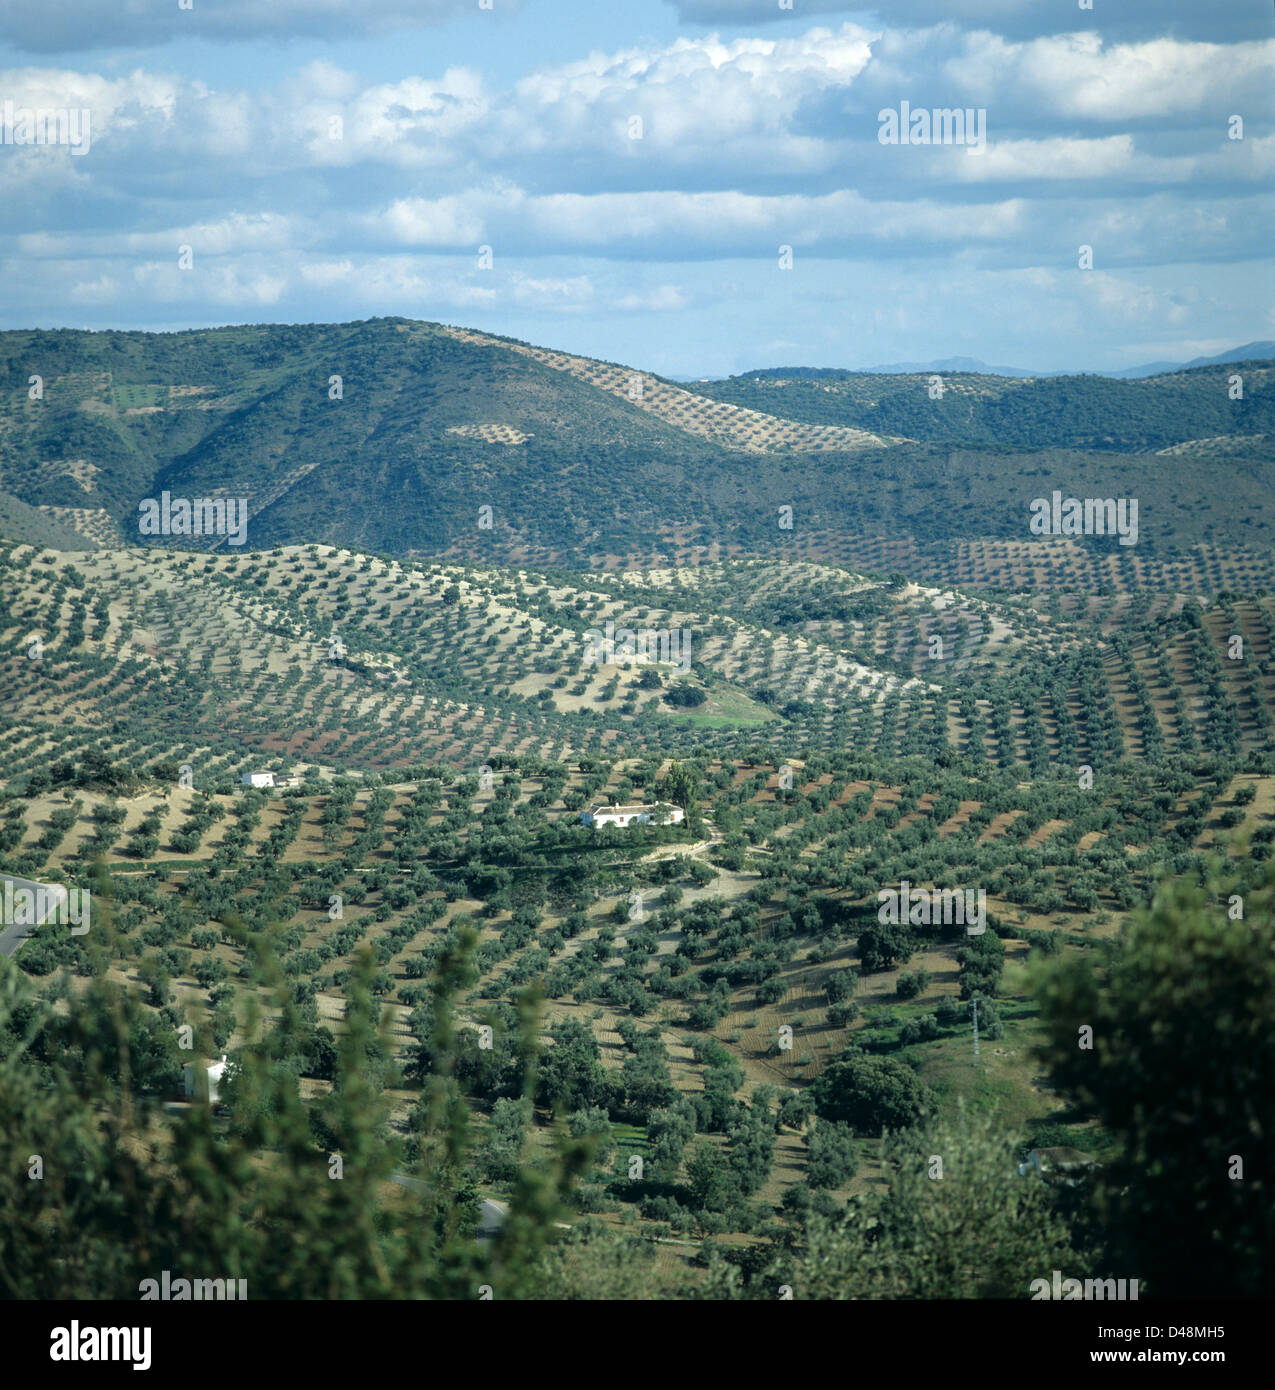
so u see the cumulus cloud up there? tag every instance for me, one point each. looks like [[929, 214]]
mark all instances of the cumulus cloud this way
[[57, 26], [1187, 18], [675, 225], [656, 178], [1082, 77], [430, 221]]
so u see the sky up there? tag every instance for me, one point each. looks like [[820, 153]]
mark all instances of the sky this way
[[696, 187]]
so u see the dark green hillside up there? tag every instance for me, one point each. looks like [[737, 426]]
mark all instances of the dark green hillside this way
[[390, 475], [1075, 412], [247, 411], [433, 423]]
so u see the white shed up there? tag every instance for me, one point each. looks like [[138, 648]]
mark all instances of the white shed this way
[[632, 815], [203, 1082]]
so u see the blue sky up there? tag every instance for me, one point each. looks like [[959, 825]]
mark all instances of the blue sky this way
[[333, 159]]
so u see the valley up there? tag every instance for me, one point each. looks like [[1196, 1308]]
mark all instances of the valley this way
[[488, 586]]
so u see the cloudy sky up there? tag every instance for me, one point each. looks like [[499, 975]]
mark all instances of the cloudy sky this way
[[636, 168]]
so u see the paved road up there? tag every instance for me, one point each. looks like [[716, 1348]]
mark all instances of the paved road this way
[[11, 936]]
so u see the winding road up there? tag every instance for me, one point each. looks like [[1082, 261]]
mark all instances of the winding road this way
[[12, 936]]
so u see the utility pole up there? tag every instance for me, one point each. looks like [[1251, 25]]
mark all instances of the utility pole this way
[[974, 1008]]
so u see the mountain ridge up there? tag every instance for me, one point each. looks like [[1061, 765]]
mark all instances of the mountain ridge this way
[[1247, 352], [398, 435]]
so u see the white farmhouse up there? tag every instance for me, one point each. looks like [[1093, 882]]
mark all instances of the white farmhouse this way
[[204, 1082], [661, 814], [258, 779]]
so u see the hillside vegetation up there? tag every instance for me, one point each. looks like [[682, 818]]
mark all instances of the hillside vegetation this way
[[391, 435], [952, 795]]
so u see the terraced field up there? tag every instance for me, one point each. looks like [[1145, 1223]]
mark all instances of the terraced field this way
[[731, 426], [322, 655], [728, 932], [891, 695]]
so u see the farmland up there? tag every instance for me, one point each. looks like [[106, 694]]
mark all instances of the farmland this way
[[704, 1039]]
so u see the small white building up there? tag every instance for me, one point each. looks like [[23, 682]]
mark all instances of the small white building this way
[[258, 779], [1065, 1165], [661, 814], [204, 1082]]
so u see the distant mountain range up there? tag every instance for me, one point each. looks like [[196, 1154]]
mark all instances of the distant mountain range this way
[[1248, 352]]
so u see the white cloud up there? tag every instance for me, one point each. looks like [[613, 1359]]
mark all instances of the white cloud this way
[[691, 95], [66, 25], [568, 292], [662, 299], [1018, 17], [429, 221], [1081, 77], [318, 189], [234, 234], [731, 222]]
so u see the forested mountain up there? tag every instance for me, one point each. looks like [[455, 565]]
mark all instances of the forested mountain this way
[[976, 409], [390, 435]]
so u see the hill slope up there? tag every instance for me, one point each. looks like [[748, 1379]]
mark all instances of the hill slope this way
[[395, 436]]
